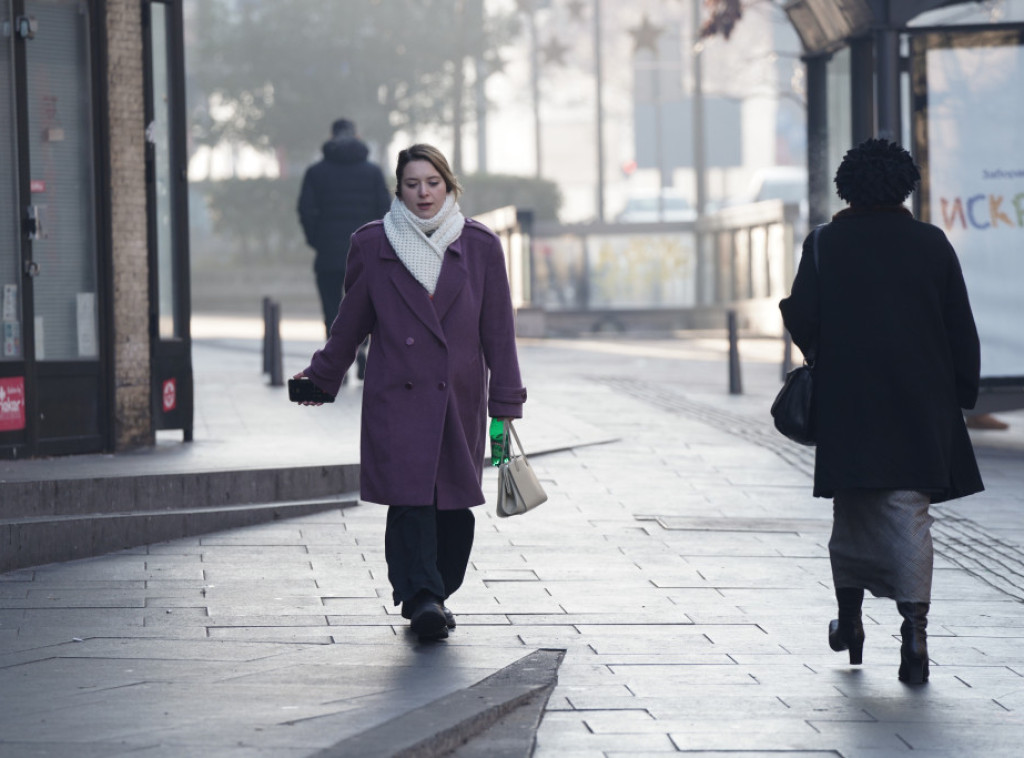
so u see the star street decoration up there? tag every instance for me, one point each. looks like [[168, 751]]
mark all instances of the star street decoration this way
[[576, 8], [554, 51], [646, 35], [494, 62]]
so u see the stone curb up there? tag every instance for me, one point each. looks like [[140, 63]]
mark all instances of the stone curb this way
[[441, 727], [54, 496], [37, 540]]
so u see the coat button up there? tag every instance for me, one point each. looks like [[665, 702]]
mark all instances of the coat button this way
[[442, 385], [409, 340], [408, 385]]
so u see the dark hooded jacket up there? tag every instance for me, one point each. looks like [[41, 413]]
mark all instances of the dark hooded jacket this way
[[339, 194]]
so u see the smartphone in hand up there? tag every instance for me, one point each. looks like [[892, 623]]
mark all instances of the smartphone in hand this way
[[304, 391]]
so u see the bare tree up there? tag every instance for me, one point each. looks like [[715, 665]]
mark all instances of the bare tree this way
[[275, 74]]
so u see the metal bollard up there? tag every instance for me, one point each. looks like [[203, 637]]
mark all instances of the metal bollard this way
[[273, 359], [735, 381], [266, 335]]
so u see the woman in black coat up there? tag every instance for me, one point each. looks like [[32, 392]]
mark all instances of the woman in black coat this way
[[885, 314]]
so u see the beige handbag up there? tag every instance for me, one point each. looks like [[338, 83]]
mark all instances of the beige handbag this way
[[518, 488]]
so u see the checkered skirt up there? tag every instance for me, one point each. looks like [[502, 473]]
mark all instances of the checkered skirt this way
[[881, 541]]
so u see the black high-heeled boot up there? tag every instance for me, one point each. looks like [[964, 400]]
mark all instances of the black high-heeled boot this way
[[847, 631], [914, 650]]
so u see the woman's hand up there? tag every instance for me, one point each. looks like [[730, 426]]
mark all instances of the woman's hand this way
[[301, 375]]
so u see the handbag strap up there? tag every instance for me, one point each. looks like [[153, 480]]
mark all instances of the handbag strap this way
[[511, 434], [809, 360]]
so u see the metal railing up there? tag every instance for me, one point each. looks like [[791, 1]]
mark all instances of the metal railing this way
[[671, 275], [515, 228]]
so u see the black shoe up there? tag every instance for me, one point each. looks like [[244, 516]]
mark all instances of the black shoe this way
[[428, 620], [914, 650], [449, 617]]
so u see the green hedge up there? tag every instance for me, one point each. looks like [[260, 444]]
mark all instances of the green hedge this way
[[248, 219], [485, 192], [255, 220]]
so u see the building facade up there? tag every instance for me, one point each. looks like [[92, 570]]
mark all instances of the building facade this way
[[93, 226]]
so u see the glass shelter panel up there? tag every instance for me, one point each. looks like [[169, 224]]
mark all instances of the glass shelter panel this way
[[158, 133], [840, 118], [969, 143]]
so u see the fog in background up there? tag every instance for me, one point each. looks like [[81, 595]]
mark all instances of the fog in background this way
[[507, 89]]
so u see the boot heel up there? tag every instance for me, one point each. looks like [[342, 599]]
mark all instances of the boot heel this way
[[851, 639], [857, 652], [913, 670]]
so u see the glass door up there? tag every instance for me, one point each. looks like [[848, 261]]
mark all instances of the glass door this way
[[12, 355], [167, 189], [59, 143]]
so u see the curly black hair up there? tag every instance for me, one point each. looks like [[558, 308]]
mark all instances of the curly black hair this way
[[876, 173]]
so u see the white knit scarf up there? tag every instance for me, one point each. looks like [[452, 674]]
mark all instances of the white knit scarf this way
[[420, 242]]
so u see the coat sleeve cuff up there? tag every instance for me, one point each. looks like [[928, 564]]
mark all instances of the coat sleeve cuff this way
[[506, 402], [330, 386]]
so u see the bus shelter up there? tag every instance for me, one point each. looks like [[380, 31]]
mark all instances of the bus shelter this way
[[944, 79]]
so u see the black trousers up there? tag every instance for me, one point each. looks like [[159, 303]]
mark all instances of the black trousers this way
[[427, 549], [330, 284]]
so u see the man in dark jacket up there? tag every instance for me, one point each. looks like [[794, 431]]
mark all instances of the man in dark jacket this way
[[339, 194]]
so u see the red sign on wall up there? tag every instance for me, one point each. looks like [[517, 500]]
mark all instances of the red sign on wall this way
[[170, 395], [12, 403], [37, 185]]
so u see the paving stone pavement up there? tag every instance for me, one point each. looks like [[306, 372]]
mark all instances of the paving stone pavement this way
[[680, 562]]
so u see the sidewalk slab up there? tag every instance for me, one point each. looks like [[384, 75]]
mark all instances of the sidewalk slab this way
[[681, 567]]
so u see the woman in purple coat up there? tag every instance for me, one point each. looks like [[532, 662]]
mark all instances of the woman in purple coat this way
[[430, 288]]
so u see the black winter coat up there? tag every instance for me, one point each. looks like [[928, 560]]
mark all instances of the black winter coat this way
[[897, 355], [339, 194]]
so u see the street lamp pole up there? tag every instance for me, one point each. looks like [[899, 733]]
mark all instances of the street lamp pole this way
[[598, 77], [659, 144], [535, 85], [699, 164]]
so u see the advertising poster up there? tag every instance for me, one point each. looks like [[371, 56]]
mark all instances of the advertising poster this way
[[12, 403], [974, 191]]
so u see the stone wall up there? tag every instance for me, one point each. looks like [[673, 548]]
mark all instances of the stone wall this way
[[133, 424]]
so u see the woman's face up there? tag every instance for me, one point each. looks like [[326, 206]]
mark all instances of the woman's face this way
[[423, 190]]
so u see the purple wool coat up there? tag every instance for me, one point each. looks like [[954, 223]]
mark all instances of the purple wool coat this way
[[426, 394]]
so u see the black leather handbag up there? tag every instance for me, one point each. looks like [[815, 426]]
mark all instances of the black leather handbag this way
[[793, 408]]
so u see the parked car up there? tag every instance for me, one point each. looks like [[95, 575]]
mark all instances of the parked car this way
[[785, 183], [642, 207]]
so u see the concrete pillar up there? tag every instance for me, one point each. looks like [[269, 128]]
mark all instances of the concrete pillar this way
[[887, 83], [862, 89], [133, 426], [818, 171]]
